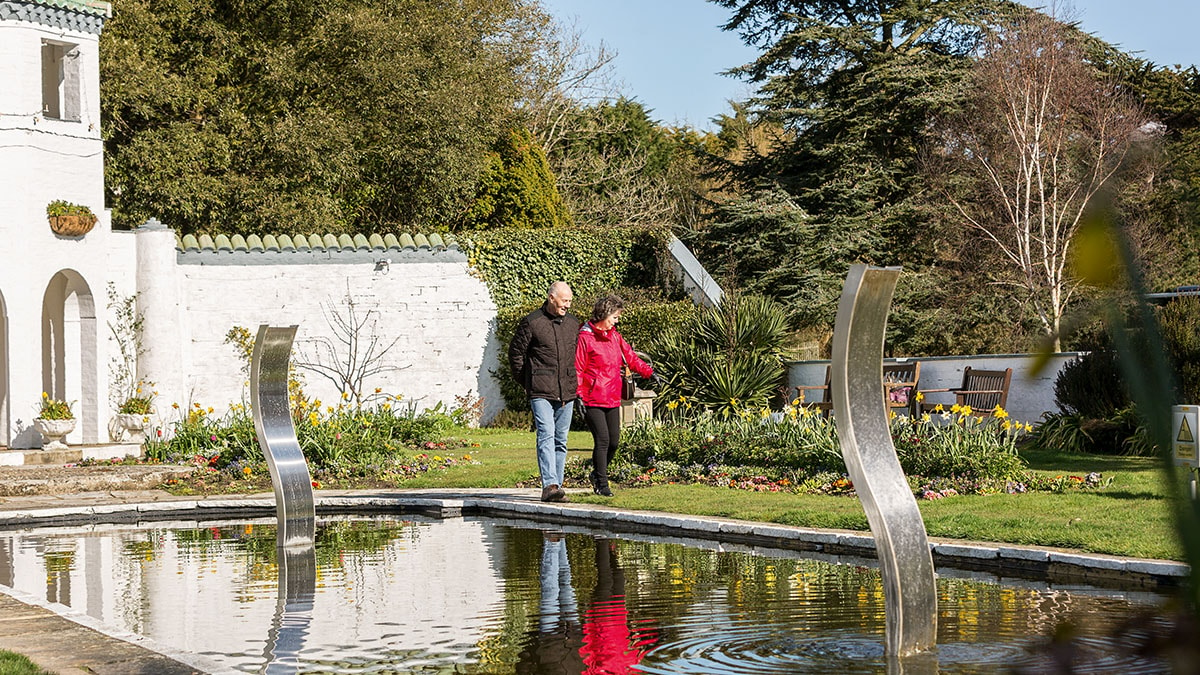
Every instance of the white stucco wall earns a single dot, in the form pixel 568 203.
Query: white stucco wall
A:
pixel 1029 395
pixel 440 316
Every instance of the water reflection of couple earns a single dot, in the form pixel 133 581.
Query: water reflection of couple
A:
pixel 606 646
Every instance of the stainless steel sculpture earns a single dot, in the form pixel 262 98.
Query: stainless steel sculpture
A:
pixel 856 386
pixel 294 503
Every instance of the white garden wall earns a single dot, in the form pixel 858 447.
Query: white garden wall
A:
pixel 440 318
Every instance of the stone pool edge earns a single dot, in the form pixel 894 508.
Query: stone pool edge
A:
pixel 1001 559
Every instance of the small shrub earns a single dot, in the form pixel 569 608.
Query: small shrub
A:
pixel 1091 386
pixel 728 359
pixel 521 420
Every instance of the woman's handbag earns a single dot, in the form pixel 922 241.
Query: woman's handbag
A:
pixel 626 379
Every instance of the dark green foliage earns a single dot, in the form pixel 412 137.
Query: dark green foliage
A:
pixel 1179 321
pixel 1091 386
pixel 1097 415
pixel 728 359
pixel 347 115
pixel 517 189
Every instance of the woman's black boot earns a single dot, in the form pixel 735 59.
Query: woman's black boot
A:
pixel 600 487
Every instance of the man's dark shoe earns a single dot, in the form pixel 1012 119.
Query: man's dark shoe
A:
pixel 553 493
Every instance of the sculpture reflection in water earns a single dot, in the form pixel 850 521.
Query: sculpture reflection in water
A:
pixel 603 642
pixel 295 505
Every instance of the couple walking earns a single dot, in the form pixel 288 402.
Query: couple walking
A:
pixel 559 361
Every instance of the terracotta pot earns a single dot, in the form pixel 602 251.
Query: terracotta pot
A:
pixel 53 431
pixel 72 226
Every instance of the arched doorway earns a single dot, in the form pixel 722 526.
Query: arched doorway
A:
pixel 69 343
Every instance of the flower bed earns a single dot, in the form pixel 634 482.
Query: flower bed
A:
pixel 949 452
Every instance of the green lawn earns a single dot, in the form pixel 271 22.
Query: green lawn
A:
pixel 15 664
pixel 1129 517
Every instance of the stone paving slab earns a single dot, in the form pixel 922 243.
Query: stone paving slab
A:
pixel 40 635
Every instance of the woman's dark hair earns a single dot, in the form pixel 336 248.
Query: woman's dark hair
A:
pixel 606 307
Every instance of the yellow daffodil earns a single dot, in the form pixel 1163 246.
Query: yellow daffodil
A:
pixel 966 411
pixel 920 396
pixel 939 408
pixel 999 413
pixel 956 408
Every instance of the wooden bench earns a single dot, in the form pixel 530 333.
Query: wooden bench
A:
pixel 982 390
pixel 900 381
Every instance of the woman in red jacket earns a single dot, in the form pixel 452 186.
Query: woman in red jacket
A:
pixel 600 354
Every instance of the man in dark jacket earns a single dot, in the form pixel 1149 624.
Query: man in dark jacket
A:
pixel 542 357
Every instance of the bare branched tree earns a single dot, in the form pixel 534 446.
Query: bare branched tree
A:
pixel 569 75
pixel 353 355
pixel 1043 135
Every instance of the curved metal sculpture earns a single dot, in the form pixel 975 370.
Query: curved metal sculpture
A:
pixel 294 503
pixel 856 384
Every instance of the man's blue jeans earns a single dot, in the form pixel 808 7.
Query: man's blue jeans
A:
pixel 553 421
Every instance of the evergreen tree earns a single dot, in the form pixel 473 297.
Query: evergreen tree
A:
pixel 518 189
pixel 854 86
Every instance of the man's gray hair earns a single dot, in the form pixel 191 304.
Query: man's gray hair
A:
pixel 556 288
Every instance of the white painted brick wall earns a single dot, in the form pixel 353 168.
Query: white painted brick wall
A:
pixel 440 316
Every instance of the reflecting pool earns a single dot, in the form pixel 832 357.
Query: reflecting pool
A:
pixel 472 595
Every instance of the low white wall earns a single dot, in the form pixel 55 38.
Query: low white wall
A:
pixel 441 318
pixel 1029 395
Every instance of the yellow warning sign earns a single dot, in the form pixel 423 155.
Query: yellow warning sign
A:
pixel 1186 421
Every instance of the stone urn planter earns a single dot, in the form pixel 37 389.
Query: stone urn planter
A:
pixel 53 431
pixel 129 428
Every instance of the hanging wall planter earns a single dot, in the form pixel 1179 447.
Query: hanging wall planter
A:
pixel 70 220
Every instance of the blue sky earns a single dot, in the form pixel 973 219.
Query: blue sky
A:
pixel 671 51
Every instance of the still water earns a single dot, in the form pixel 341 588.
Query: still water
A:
pixel 482 596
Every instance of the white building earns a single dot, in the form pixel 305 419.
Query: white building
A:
pixel 51 287
pixel 54 319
